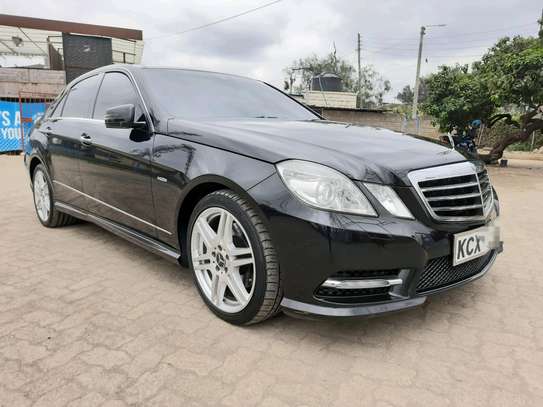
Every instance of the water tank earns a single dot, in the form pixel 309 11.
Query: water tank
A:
pixel 327 82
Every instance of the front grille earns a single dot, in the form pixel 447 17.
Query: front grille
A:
pixel 440 272
pixel 454 192
pixel 360 295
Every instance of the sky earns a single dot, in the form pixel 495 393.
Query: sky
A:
pixel 263 43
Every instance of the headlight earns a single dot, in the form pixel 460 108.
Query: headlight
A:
pixel 389 199
pixel 323 187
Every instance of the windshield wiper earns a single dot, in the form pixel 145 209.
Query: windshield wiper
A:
pixel 265 117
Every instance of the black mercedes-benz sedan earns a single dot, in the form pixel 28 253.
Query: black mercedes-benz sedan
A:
pixel 270 206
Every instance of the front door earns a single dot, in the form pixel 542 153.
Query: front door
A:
pixel 116 170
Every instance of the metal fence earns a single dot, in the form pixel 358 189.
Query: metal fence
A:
pixel 17 116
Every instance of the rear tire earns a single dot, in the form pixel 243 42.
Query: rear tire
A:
pixel 233 260
pixel 44 202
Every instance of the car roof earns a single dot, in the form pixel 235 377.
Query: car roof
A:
pixel 137 67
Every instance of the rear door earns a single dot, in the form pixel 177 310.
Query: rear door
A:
pixel 117 169
pixel 64 129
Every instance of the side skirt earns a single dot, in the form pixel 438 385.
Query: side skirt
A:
pixel 129 234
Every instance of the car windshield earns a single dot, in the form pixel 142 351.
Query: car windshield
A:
pixel 194 95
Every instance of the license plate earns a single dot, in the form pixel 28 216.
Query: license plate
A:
pixel 475 243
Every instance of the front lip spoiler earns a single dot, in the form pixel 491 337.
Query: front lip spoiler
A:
pixel 359 311
pixel 303 308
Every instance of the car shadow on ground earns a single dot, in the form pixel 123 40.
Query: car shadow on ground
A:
pixel 379 328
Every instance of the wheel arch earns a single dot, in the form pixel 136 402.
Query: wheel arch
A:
pixel 194 192
pixel 34 162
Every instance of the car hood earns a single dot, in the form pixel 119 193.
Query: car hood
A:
pixel 361 152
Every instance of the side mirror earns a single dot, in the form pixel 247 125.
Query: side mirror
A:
pixel 121 117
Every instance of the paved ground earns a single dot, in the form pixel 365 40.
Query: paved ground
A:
pixel 87 319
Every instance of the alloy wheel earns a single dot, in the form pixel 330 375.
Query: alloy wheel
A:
pixel 223 260
pixel 42 196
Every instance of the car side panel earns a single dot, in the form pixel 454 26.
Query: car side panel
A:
pixel 60 140
pixel 116 173
pixel 180 165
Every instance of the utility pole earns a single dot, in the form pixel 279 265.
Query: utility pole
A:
pixel 417 78
pixel 359 72
pixel 291 83
pixel 541 27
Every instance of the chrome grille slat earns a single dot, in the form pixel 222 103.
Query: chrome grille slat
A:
pixel 453 186
pixel 449 197
pixel 455 192
pixel 457 208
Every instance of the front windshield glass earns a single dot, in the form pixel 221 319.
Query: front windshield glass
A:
pixel 194 95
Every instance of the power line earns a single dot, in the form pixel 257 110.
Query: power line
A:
pixel 222 20
pixel 453 56
pixel 503 29
pixel 473 43
pixel 483 41
pixel 398 48
pixel 403 56
pixel 488 32
pixel 427 46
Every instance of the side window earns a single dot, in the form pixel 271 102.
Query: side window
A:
pixel 56 108
pixel 116 90
pixel 80 100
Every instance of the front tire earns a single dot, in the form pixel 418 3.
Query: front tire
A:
pixel 44 203
pixel 233 260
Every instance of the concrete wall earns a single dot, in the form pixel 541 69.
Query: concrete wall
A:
pixel 332 99
pixel 387 120
pixel 40 81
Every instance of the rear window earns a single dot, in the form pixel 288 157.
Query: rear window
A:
pixel 80 100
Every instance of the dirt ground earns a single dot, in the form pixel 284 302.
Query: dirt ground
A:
pixel 87 319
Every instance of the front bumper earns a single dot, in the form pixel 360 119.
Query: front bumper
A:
pixel 364 310
pixel 315 245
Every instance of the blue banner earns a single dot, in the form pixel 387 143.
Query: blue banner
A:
pixel 10 123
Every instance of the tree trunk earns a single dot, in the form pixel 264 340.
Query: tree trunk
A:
pixel 528 126
pixel 497 151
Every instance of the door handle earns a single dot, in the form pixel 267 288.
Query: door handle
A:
pixel 86 139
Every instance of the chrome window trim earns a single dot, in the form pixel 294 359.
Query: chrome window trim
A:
pixel 132 78
pixel 111 207
pixel 449 171
pixel 119 69
pixel 78 118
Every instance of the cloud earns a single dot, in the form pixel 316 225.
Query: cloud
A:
pixel 263 43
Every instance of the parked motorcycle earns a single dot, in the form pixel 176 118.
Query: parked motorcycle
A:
pixel 464 140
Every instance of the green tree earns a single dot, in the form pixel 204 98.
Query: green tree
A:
pixel 373 89
pixel 513 71
pixel 508 77
pixel 455 97
pixel 314 65
pixel 406 95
